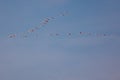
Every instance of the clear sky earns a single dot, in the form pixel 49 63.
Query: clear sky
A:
pixel 44 57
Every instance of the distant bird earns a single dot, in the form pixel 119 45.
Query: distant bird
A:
pixel 69 34
pixel 80 32
pixel 12 35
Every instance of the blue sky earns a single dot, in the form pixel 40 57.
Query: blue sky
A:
pixel 44 57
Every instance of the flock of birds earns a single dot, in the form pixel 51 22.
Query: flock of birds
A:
pixel 45 22
pixel 42 24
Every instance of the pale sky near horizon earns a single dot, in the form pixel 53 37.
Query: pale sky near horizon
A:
pixel 44 57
